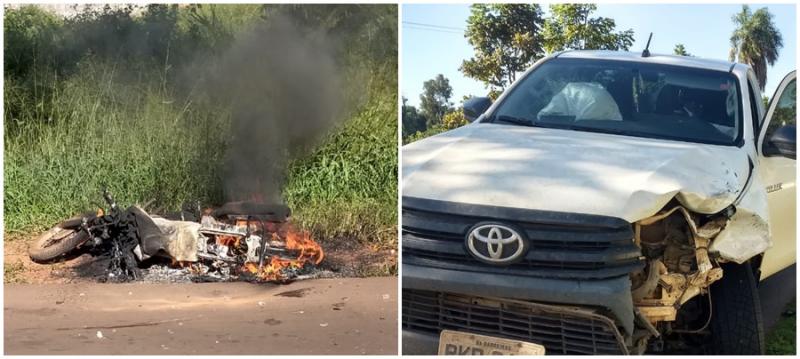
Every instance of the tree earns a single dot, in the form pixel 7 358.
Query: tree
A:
pixel 506 39
pixel 32 37
pixel 680 50
pixel 435 99
pixel 755 41
pixel 571 26
pixel 413 121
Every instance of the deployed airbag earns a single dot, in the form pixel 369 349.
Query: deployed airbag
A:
pixel 584 101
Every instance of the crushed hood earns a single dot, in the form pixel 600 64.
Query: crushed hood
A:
pixel 572 171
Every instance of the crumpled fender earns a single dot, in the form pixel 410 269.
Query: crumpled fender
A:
pixel 747 233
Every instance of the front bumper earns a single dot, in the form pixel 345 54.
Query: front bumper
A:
pixel 611 296
pixel 419 343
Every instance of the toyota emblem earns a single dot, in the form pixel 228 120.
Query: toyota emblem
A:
pixel 495 243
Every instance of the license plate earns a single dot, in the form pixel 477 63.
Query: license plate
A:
pixel 460 343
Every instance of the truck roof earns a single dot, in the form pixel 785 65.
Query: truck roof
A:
pixel 688 61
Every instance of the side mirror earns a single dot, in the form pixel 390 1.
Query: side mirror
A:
pixel 475 107
pixel 782 142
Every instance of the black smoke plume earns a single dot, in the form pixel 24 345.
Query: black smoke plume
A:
pixel 284 89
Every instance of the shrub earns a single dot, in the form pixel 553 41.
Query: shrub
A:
pixel 454 119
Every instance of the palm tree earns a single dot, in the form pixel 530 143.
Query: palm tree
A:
pixel 755 41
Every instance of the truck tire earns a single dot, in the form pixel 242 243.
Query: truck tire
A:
pixel 737 326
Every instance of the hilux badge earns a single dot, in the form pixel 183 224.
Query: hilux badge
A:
pixel 495 243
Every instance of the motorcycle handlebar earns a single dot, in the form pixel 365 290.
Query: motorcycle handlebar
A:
pixel 109 199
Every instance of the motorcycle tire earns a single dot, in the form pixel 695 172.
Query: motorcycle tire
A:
pixel 58 241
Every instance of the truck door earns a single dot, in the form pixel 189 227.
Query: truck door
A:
pixel 776 149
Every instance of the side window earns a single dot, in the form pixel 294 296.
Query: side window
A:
pixel 785 110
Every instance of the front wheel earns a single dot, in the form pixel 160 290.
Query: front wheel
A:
pixel 58 241
pixel 737 326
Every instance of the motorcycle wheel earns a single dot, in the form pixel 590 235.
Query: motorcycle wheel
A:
pixel 58 241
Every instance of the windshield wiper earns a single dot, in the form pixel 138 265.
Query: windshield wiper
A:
pixel 512 120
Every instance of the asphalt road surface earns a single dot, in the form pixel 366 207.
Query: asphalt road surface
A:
pixel 326 316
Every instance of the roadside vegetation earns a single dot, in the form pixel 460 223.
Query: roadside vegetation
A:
pixel 105 98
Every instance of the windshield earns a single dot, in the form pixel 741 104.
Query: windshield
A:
pixel 629 98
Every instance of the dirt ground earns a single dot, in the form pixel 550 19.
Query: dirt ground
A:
pixel 322 316
pixel 344 258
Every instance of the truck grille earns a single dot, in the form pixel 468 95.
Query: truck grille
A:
pixel 562 246
pixel 560 330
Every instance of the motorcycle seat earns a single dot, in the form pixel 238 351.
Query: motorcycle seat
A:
pixel 262 211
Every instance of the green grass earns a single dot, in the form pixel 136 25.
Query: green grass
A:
pixel 782 340
pixel 348 187
pixel 98 128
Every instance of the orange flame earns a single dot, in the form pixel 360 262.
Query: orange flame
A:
pixel 229 241
pixel 300 242
pixel 274 269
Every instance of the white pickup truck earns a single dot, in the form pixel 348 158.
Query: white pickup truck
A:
pixel 605 203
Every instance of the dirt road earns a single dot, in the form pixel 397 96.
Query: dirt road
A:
pixel 326 316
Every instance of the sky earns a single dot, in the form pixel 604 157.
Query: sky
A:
pixel 704 30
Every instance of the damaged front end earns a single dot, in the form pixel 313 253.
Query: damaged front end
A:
pixel 650 276
pixel 680 248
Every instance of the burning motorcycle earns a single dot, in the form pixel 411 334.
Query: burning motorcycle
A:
pixel 240 239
